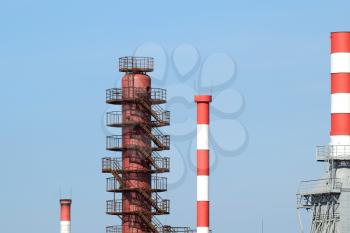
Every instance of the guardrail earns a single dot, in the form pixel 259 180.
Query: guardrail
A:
pixel 115 207
pixel 114 229
pixel 333 152
pixel 115 118
pixel 162 229
pixel 142 64
pixel 169 229
pixel 115 142
pixel 110 164
pixel 117 95
pixel 319 186
pixel 158 184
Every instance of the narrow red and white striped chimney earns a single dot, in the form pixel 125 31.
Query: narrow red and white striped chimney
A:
pixel 340 121
pixel 340 88
pixel 65 215
pixel 202 162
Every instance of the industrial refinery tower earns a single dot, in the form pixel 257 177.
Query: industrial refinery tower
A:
pixel 136 183
pixel 328 199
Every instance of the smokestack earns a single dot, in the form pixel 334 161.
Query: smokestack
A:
pixel 340 121
pixel 65 215
pixel 202 162
pixel 340 88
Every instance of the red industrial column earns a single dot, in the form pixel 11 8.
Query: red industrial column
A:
pixel 65 215
pixel 135 137
pixel 139 144
pixel 203 162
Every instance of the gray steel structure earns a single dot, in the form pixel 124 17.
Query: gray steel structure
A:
pixel 328 199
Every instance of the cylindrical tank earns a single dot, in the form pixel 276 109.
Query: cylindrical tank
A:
pixel 135 139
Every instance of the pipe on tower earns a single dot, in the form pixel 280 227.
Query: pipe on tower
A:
pixel 65 215
pixel 203 162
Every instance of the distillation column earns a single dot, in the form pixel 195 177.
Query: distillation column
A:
pixel 203 162
pixel 136 183
pixel 138 177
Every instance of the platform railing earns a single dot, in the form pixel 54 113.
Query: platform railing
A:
pixel 111 164
pixel 158 184
pixel 163 117
pixel 115 118
pixel 114 229
pixel 165 141
pixel 143 64
pixel 170 229
pixel 161 203
pixel 320 186
pixel 333 152
pixel 161 229
pixel 158 94
pixel 161 162
pixel 115 142
pixel 114 206
pixel 115 95
pixel 108 164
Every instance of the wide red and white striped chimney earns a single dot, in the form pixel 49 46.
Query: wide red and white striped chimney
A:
pixel 203 162
pixel 340 88
pixel 65 215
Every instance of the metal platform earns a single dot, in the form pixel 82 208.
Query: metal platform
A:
pixel 158 184
pixel 132 94
pixel 115 119
pixel 115 207
pixel 333 152
pixel 163 229
pixel 136 64
pixel 114 165
pixel 115 143
pixel 320 186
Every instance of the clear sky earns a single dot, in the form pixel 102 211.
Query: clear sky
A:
pixel 58 57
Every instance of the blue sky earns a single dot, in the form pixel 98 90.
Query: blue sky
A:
pixel 58 57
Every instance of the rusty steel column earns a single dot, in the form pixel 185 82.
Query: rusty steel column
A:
pixel 139 142
pixel 138 175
